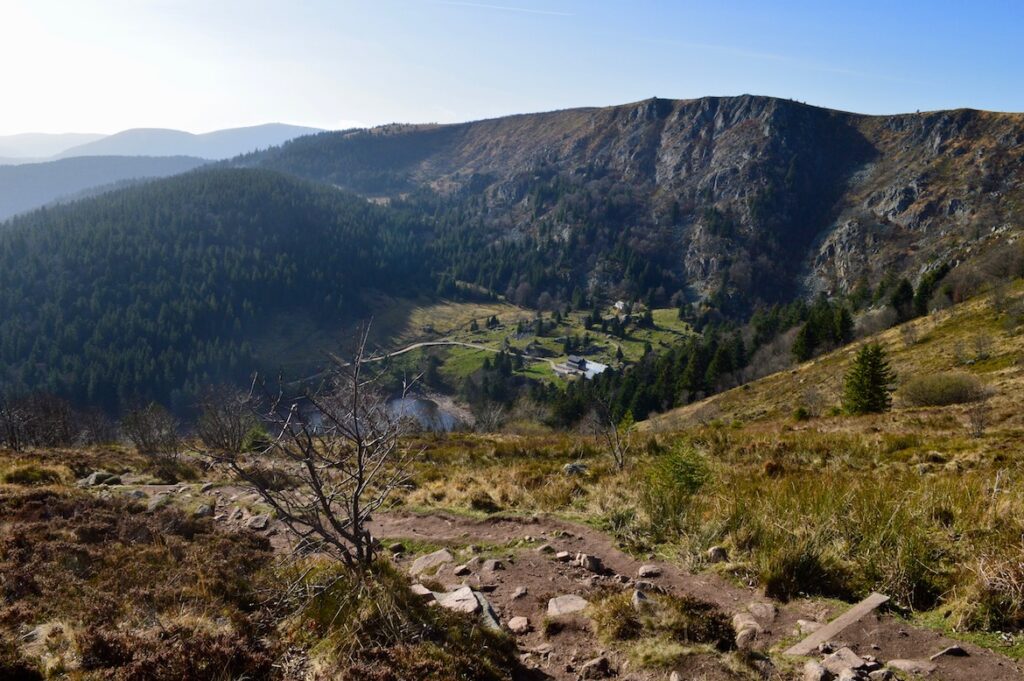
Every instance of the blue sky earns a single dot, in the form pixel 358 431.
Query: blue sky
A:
pixel 102 66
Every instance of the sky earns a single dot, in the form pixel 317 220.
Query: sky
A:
pixel 198 65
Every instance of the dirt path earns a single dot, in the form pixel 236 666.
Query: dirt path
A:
pixel 882 636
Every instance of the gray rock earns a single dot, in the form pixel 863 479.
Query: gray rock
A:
pixel 563 556
pixel 207 487
pixel 566 605
pixel 648 571
pixel 718 554
pixel 95 478
pixel 590 563
pixel 258 522
pixel 881 675
pixel 520 592
pixel 136 494
pixel 640 601
pixel 848 675
pixel 461 570
pixel 156 503
pixel 844 658
pixel 813 671
pixel 460 600
pixel 764 612
pixel 643 585
pixel 203 511
pixel 431 562
pixel 918 667
pixel 745 638
pixel 574 469
pixel 397 547
pixel 598 668
pixel 493 565
pixel 519 625
pixel 421 591
pixel 236 514
pixel 487 614
pixel 546 548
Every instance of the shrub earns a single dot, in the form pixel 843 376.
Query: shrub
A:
pixel 801 414
pixel 680 619
pixel 942 389
pixel 672 481
pixel 32 474
pixel 152 429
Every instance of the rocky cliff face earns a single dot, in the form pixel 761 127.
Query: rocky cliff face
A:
pixel 747 197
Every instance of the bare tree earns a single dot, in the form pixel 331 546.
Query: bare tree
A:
pixel 14 419
pixel 342 445
pixel 152 429
pixel 617 435
pixel 225 419
pixel 978 415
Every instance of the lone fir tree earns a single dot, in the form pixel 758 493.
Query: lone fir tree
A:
pixel 869 382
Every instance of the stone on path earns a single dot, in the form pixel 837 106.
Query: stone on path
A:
pixel 951 651
pixel 460 600
pixel 493 565
pixel 431 562
pixel 647 571
pixel 844 658
pixel 566 605
pixel 546 548
pixel 519 625
pixel 764 612
pixel 258 522
pixel 639 601
pixel 520 592
pixel 563 556
pixel 421 591
pixel 813 671
pixel 590 563
pixel 461 570
pixel 598 668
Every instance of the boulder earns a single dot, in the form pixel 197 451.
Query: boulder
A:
pixel 397 547
pixel 589 563
pixel 519 625
pixel 431 562
pixel 546 548
pixel 258 522
pixel 421 591
pixel 718 554
pixel 598 668
pixel 487 614
pixel 648 571
pixel 844 658
pixel 574 469
pixel 203 511
pixel 747 629
pixel 156 503
pixel 813 671
pixel 566 605
pixel 96 478
pixel 640 602
pixel 461 570
pixel 461 600
pixel 881 675
pixel 493 565
pixel 764 612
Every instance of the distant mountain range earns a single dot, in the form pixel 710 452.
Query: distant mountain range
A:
pixel 216 145
pixel 38 169
pixel 31 185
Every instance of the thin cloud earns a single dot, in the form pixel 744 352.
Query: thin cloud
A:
pixel 504 8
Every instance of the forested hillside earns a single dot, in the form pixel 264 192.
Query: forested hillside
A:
pixel 155 291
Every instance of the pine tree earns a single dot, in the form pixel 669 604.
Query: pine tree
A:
pixel 869 382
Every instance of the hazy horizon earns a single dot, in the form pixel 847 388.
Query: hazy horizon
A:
pixel 104 67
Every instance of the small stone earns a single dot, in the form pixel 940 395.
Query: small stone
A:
pixel 519 625
pixel 589 563
pixel 493 565
pixel 203 511
pixel 258 522
pixel 643 585
pixel 461 570
pixel 206 488
pixel 563 556
pixel 951 651
pixel 236 514
pixel 598 668
pixel 136 494
pixel 546 548
pixel 881 675
pixel 566 605
pixel 520 592
pixel 674 676
pixel 397 547
pixel 156 503
pixel 815 672
pixel 718 554
pixel 745 638
pixel 848 675
pixel 647 571
pixel 574 469
pixel 918 667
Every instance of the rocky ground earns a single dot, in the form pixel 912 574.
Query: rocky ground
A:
pixel 536 577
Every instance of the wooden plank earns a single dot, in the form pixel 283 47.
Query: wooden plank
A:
pixel 835 627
